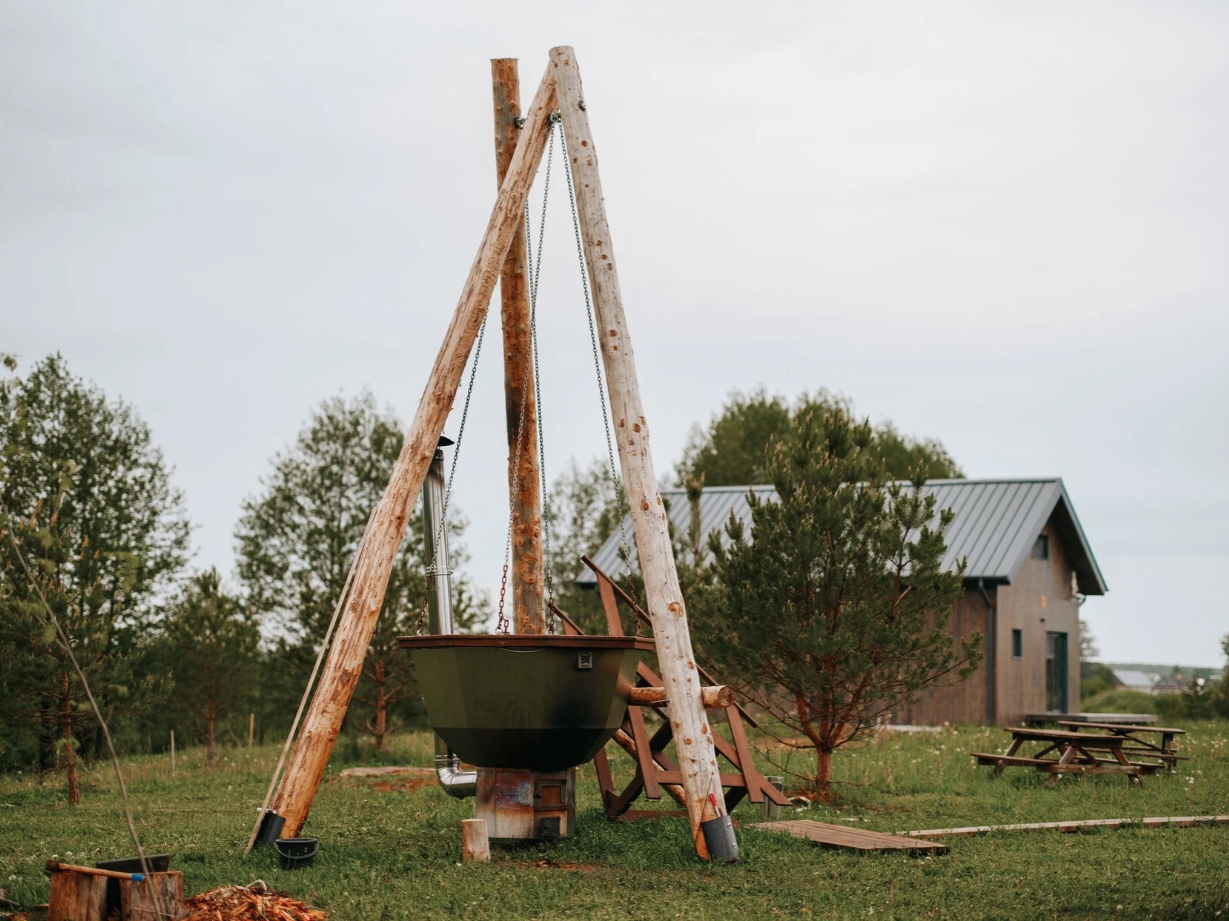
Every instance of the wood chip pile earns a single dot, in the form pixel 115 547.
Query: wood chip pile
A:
pixel 249 903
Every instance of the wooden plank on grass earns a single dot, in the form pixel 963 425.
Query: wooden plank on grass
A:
pixel 857 839
pixel 1156 822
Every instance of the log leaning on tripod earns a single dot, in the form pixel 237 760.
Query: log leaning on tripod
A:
pixel 344 664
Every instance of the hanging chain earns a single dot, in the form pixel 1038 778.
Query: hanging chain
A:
pixel 601 392
pixel 452 472
pixel 534 272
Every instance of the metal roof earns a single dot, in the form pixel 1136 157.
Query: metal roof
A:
pixel 995 526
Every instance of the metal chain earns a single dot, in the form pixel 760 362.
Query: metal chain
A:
pixel 534 272
pixel 601 392
pixel 452 472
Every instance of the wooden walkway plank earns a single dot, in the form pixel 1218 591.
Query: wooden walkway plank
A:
pixel 857 839
pixel 1155 822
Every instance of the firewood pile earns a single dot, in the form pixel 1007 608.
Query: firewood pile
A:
pixel 249 903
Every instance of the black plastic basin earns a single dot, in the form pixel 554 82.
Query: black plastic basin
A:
pixel 539 703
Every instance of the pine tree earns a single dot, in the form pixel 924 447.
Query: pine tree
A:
pixel 833 616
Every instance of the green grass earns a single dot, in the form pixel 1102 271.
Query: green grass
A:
pixel 393 853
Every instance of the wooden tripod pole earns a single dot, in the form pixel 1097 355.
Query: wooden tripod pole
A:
pixel 692 735
pixel 344 664
pixel 524 478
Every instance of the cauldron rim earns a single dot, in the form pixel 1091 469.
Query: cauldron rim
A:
pixel 524 641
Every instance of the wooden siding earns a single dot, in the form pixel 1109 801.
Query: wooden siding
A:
pixel 954 701
pixel 1038 600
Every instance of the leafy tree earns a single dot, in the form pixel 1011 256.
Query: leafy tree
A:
pixel 297 539
pixel 834 616
pixel 732 451
pixel 582 509
pixel 88 498
pixel 210 645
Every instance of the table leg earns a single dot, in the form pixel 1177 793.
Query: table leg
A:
pixel 1125 762
pixel 1014 747
pixel 1067 757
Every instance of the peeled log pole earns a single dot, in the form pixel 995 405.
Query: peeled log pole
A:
pixel 344 664
pixel 524 481
pixel 692 736
pixel 718 697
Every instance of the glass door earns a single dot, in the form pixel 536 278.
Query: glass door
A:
pixel 1056 672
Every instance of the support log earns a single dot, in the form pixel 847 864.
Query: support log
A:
pixel 344 663
pixel 524 478
pixel 692 734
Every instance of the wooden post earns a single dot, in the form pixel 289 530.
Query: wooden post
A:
pixel 344 663
pixel 475 845
pixel 172 752
pixel 524 478
pixel 251 728
pixel 692 735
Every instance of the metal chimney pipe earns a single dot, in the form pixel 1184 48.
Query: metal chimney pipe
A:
pixel 455 781
pixel 439 573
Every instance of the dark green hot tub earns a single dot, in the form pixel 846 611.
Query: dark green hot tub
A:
pixel 540 703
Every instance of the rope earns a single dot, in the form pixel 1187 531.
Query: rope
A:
pixel 106 732
pixel 601 390
pixel 294 725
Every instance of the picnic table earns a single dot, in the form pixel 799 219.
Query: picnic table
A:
pixel 1166 752
pixel 1066 752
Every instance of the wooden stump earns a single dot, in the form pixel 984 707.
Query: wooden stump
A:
pixel 137 900
pixel 475 846
pixel 77 897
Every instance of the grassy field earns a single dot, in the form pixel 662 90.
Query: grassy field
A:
pixel 390 850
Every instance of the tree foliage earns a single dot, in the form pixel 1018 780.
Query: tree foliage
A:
pixel 733 449
pixel 834 616
pixel 209 644
pixel 582 509
pixel 296 541
pixel 90 504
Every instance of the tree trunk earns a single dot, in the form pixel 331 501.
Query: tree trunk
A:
pixel 823 774
pixel 66 716
pixel 381 707
pixel 210 722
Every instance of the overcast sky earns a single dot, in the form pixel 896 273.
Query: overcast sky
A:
pixel 999 225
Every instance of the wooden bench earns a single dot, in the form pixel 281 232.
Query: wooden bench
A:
pixel 1069 753
pixel 1166 753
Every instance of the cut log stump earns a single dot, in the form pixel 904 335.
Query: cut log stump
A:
pixel 139 901
pixel 77 897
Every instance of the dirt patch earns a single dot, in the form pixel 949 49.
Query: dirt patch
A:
pixel 403 784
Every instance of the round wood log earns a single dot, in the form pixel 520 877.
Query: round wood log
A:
pixel 77 897
pixel 139 901
pixel 475 845
pixel 718 697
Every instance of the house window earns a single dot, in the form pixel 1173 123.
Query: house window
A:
pixel 1017 644
pixel 1041 547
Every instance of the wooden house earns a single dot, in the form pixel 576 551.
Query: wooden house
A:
pixel 1029 567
